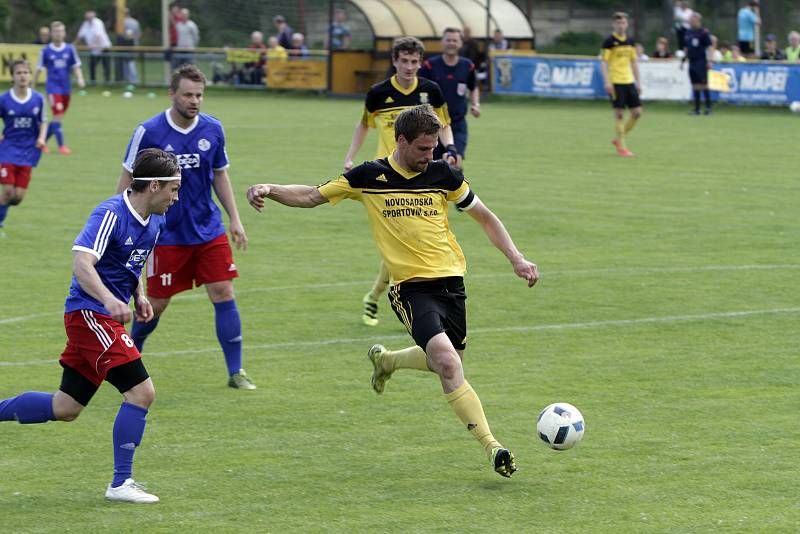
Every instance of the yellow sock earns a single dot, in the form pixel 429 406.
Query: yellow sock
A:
pixel 620 129
pixel 410 358
pixel 467 405
pixel 381 283
pixel 631 123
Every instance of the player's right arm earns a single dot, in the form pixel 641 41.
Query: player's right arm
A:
pixel 85 273
pixel 125 177
pixel 124 181
pixel 605 56
pixel 295 196
pixel 79 76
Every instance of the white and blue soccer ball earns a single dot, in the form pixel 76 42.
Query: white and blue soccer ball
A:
pixel 795 106
pixel 560 426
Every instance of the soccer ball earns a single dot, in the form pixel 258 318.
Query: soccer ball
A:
pixel 795 106
pixel 127 94
pixel 560 426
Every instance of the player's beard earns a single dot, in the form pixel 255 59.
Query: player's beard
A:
pixel 187 114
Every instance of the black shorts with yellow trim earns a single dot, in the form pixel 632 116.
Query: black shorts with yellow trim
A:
pixel 430 307
pixel 625 96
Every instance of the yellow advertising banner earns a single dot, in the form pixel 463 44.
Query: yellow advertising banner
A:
pixel 297 73
pixel 240 55
pixel 10 52
pixel 718 81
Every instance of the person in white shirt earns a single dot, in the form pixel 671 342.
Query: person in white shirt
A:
pixel 94 35
pixel 188 38
pixel 681 15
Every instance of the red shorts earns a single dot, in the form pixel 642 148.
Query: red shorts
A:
pixel 175 268
pixel 96 343
pixel 58 103
pixel 16 175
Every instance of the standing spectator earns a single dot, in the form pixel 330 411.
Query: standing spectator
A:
pixel 126 63
pixel 44 36
pixel 275 50
pixel 771 50
pixel 188 38
pixel 254 72
pixel 681 15
pixel 340 31
pixel 697 42
pixel 793 50
pixel 174 18
pixel 662 49
pixel 748 18
pixel 298 48
pixel 471 50
pixel 60 60
pixel 132 25
pixel 621 80
pixel 285 31
pixel 93 33
pixel 456 78
pixel 726 52
pixel 498 41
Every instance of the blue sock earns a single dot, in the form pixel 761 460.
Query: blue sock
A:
pixel 229 334
pixel 128 431
pixel 3 212
pixel 49 131
pixel 140 331
pixel 58 133
pixel 29 407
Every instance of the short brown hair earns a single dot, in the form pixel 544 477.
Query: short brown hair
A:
pixel 619 15
pixel 410 45
pixel 416 121
pixel 150 163
pixel 56 24
pixel 451 29
pixel 17 62
pixel 189 72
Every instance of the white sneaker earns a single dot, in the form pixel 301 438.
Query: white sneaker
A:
pixel 130 491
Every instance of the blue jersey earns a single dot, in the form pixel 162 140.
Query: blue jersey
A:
pixel 696 41
pixel 121 241
pixel 59 63
pixel 454 81
pixel 22 120
pixel 200 148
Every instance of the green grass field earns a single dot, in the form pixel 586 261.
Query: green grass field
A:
pixel 667 312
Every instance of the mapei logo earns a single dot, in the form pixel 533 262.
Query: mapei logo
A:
pixel 137 258
pixel 563 76
pixel 771 80
pixel 188 161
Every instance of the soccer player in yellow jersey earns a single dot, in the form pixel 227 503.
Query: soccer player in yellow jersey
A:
pixel 406 196
pixel 382 105
pixel 621 80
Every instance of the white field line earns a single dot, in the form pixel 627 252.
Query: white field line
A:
pixel 509 274
pixel 486 330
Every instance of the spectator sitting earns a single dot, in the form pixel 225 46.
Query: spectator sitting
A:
pixel 725 50
pixel 640 54
pixel 340 31
pixel 662 49
pixel 44 36
pixel 771 50
pixel 498 41
pixel 736 55
pixel 285 31
pixel 714 55
pixel 793 50
pixel 298 48
pixel 254 71
pixel 275 50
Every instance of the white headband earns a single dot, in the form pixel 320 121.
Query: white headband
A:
pixel 154 178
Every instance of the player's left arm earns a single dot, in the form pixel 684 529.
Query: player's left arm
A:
pixel 636 79
pixel 41 139
pixel 224 191
pixel 144 310
pixel 500 238
pixel 79 75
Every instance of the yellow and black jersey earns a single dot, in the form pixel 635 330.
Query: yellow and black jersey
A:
pixel 407 212
pixel 619 52
pixel 385 101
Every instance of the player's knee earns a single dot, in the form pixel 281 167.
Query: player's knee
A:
pixel 636 113
pixel 449 364
pixel 16 200
pixel 66 411
pixel 220 292
pixel 143 395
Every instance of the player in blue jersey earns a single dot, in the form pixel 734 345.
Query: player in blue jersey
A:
pixel 696 41
pixel 456 77
pixel 59 59
pixel 109 255
pixel 194 249
pixel 25 122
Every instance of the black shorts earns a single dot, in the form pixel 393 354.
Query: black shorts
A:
pixel 746 47
pixel 122 377
pixel 698 72
pixel 431 307
pixel 625 96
